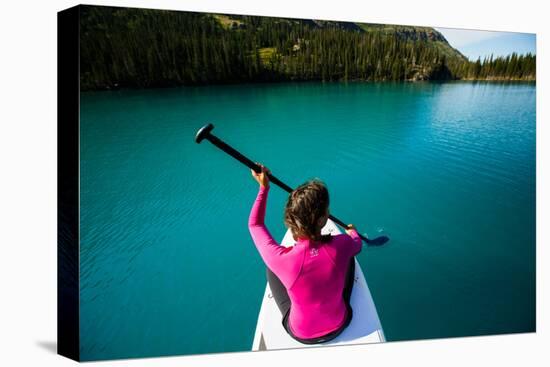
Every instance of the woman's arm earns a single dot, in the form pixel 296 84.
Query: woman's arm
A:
pixel 356 241
pixel 257 214
pixel 269 249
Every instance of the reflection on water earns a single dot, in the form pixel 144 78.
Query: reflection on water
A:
pixel 447 170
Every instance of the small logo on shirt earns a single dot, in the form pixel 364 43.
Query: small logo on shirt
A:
pixel 313 252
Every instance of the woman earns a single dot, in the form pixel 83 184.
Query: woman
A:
pixel 311 282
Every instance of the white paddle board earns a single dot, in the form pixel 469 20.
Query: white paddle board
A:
pixel 364 328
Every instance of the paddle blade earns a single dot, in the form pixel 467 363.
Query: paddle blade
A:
pixel 378 241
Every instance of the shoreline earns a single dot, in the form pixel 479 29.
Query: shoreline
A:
pixel 302 81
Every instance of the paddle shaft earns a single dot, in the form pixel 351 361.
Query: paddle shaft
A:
pixel 250 164
pixel 244 160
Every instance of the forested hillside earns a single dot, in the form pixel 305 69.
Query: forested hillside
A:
pixel 125 47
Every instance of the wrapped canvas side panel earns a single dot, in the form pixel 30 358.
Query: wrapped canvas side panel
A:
pixel 68 183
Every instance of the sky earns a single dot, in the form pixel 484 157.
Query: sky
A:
pixel 474 44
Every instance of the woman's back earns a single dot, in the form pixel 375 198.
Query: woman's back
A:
pixel 316 295
pixel 312 272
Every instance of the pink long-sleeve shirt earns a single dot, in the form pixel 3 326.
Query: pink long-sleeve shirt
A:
pixel 312 272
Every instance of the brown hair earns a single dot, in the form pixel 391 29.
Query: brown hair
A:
pixel 305 205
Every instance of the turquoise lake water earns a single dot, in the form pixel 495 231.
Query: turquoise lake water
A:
pixel 446 170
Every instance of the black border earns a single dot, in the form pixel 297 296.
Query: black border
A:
pixel 68 233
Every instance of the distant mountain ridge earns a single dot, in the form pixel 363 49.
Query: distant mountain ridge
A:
pixel 431 37
pixel 415 33
pixel 411 33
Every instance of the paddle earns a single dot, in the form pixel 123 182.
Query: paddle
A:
pixel 205 132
